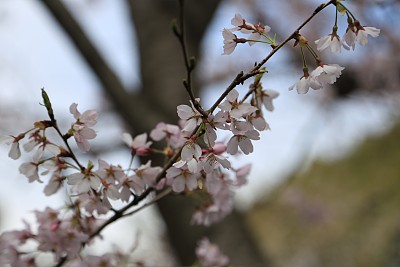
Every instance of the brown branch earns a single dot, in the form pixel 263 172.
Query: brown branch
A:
pixel 241 78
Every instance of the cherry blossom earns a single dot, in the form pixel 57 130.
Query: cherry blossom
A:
pixel 230 41
pixel 61 237
pixel 350 36
pixel 15 151
pixel 332 41
pixel 258 121
pixel 210 255
pixel 236 108
pixel 241 175
pixel 191 116
pixel 94 202
pixel 129 184
pixel 255 31
pixel 55 166
pixel 147 174
pixel 213 161
pixel 243 141
pixel 357 33
pixel 110 173
pixel 190 155
pixel 327 73
pixel 30 169
pixel 362 33
pixel 266 97
pixel 139 145
pixel 85 180
pixel 305 83
pixel 241 24
pixel 172 133
pixel 81 128
pixel 182 179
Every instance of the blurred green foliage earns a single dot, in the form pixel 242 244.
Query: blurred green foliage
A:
pixel 342 213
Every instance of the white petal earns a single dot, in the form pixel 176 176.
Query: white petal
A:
pixel 245 145
pixel 232 145
pixel 178 184
pixel 191 182
pixel 140 140
pixel 15 152
pixel 127 139
pixel 184 112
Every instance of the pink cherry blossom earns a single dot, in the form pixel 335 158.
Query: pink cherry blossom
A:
pixel 183 179
pixel 110 173
pixel 56 167
pixel 139 145
pixel 148 174
pixel 172 133
pixel 129 185
pixel 81 128
pixel 210 255
pixel 94 202
pixel 241 24
pixel 190 115
pixel 85 180
pixel 242 174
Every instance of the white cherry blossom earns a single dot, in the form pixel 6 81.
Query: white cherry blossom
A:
pixel 84 181
pixel 266 97
pixel 305 83
pixel 241 24
pixel 363 32
pixel 327 73
pixel 332 41
pixel 350 36
pixel 15 151
pixel 30 169
pixel 191 116
pixel 242 141
pixel 236 109
pixel 81 128
pixel 230 42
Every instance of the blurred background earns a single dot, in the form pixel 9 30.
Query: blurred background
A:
pixel 323 187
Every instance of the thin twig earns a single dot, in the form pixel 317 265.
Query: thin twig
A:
pixel 189 62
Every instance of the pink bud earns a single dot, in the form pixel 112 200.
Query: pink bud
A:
pixel 219 148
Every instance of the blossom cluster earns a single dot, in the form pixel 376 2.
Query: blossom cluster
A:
pixel 198 159
pixel 323 74
pixel 202 166
pixel 255 33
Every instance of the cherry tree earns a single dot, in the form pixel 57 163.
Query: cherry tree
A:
pixel 196 160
